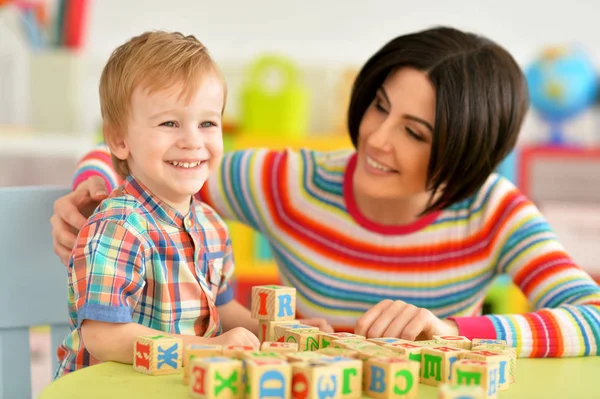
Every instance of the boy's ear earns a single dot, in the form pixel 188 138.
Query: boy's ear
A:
pixel 115 139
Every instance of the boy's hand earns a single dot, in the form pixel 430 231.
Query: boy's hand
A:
pixel 72 211
pixel 238 336
pixel 321 324
pixel 399 319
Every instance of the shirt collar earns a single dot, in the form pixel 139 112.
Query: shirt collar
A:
pixel 155 205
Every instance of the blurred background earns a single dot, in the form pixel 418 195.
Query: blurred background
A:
pixel 289 67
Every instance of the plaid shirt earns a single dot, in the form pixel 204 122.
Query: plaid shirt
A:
pixel 138 260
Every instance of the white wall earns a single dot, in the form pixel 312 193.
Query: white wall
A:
pixel 325 36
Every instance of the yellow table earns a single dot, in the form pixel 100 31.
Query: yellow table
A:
pixel 577 378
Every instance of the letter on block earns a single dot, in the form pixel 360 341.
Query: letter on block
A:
pixel 327 339
pixel 352 375
pixel 157 355
pixel 461 392
pixel 216 378
pixel 316 380
pixel 475 372
pixel 273 302
pixel 437 363
pixel 391 378
pixel 494 356
pixel 281 330
pixel 307 340
pixel 196 351
pixel 268 378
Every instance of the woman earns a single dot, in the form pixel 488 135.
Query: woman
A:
pixel 403 236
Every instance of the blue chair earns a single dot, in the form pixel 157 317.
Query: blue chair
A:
pixel 33 283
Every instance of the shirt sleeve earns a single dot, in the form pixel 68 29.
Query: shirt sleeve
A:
pixel 225 293
pixel 566 300
pixel 97 163
pixel 244 187
pixel 106 273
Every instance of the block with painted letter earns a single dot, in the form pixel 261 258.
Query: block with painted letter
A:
pixel 273 302
pixel 316 380
pixel 237 351
pixel 268 378
pixel 279 347
pixel 410 351
pixel 216 378
pixel 327 339
pixel 351 374
pixel 281 330
pixel 307 340
pixel 157 354
pixel 447 391
pixel 391 378
pixel 475 372
pixel 437 363
pixel 426 343
pixel 195 351
pixel 481 343
pixel 494 356
pixel 367 352
pixel 453 340
pixel 266 328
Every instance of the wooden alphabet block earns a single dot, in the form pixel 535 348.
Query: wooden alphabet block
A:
pixel 453 340
pixel 391 378
pixel 409 350
pixel 512 368
pixel 303 356
pixel 196 351
pixel 426 343
pixel 351 372
pixel 279 347
pixel 281 330
pixel 157 355
pixel 460 392
pixel 273 302
pixel 326 339
pixel 307 340
pixel 268 378
pixel 266 330
pixel 386 341
pixel 348 343
pixel 237 351
pixel 437 363
pixel 475 372
pixel 331 351
pixel 480 343
pixel 216 378
pixel 494 356
pixel 316 380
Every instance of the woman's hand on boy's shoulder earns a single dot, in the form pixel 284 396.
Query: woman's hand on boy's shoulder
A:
pixel 71 212
pixel 402 320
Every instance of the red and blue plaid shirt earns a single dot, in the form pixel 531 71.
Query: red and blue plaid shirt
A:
pixel 138 260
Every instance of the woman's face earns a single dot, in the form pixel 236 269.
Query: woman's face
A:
pixel 395 136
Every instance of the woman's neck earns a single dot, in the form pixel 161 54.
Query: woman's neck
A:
pixel 391 212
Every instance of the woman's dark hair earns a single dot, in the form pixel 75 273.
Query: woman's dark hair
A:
pixel 481 100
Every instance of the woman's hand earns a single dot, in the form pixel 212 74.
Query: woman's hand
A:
pixel 402 320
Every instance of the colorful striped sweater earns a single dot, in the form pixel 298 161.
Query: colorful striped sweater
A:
pixel 342 264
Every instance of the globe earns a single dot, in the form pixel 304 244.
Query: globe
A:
pixel 562 83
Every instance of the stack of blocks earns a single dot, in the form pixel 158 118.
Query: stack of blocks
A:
pixel 300 362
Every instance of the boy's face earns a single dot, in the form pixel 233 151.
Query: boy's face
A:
pixel 172 145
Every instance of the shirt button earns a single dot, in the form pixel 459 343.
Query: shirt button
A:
pixel 188 222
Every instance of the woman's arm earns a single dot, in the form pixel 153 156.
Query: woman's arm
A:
pixel 566 320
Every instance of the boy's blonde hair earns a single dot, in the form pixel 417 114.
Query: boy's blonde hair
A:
pixel 156 60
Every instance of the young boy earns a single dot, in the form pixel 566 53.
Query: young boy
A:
pixel 152 258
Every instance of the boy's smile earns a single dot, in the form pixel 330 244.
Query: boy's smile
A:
pixel 174 139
